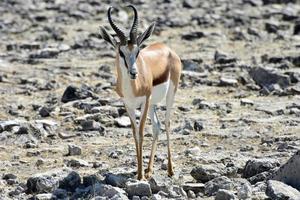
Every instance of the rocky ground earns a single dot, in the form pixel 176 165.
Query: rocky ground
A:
pixel 64 133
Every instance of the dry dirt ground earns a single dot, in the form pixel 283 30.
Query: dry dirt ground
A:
pixel 47 46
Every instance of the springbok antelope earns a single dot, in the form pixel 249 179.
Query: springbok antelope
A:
pixel 144 78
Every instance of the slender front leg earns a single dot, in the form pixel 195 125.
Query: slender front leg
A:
pixel 144 110
pixel 131 113
pixel 155 129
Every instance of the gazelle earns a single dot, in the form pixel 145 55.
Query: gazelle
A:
pixel 144 78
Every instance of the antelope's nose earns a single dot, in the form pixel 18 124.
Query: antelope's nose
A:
pixel 133 73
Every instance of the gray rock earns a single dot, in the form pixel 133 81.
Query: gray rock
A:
pixel 7 125
pixel 12 181
pixel 205 173
pixel 222 58
pixel 9 176
pixel 256 166
pixel 33 153
pixel 259 177
pixel 91 125
pixel 272 27
pixel 225 195
pixel 198 125
pixel 184 108
pixel 17 191
pixel 86 104
pixel 107 110
pixel 195 35
pixel 74 93
pixel 156 197
pixel 45 111
pixel 135 198
pixel 20 130
pixel 46 53
pixel 138 188
pixel 61 193
pixel 88 117
pixel 224 81
pixel 51 180
pixel 43 128
pixel 45 196
pixel 191 65
pixel 275 109
pixel 40 184
pixel 66 135
pixel 195 187
pixel 190 4
pixel 187 125
pixel 123 122
pixel 177 191
pixel 191 194
pixel 40 162
pixel 265 77
pixel 158 184
pixel 107 191
pixel 259 187
pixel 193 152
pixel 76 162
pixel 74 150
pixel 213 186
pixel 244 191
pixel 99 198
pixel 289 173
pixel 117 180
pixel 91 180
pixel 277 190
pixel 254 32
pixel 297 28
pixel 70 182
pixel 206 105
pixel 245 102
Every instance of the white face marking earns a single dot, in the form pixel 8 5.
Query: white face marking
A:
pixel 129 58
pixel 126 85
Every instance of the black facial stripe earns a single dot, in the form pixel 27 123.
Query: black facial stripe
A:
pixel 125 63
pixel 123 57
pixel 121 54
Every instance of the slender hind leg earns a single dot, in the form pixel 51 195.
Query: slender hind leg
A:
pixel 155 129
pixel 169 102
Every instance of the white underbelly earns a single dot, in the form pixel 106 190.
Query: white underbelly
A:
pixel 134 102
pixel 159 92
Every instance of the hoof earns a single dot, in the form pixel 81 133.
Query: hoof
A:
pixel 170 172
pixel 148 173
pixel 141 178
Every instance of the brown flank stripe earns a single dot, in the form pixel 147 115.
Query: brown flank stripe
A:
pixel 162 78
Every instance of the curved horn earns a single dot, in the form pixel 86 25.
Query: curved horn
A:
pixel 134 27
pixel 118 31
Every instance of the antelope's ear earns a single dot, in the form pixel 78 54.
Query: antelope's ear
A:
pixel 146 34
pixel 107 37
